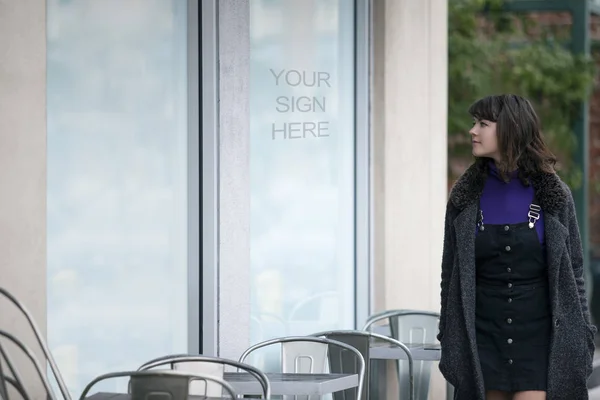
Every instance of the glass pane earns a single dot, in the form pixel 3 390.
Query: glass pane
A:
pixel 117 185
pixel 302 166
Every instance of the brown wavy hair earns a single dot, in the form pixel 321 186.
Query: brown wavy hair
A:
pixel 520 139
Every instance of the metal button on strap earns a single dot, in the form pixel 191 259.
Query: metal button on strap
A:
pixel 506 228
pixel 508 269
pixel 509 320
pixel 509 341
pixel 510 361
pixel 507 248
pixel 510 285
pixel 510 299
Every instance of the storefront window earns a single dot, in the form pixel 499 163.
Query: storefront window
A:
pixel 302 166
pixel 117 185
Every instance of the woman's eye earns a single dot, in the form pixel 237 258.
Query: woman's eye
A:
pixel 482 124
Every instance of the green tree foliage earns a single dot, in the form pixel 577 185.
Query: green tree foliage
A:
pixel 492 51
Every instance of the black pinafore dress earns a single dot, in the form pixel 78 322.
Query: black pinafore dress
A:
pixel 512 316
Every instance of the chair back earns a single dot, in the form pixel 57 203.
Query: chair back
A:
pixel 205 365
pixel 413 327
pixel 310 354
pixel 15 381
pixel 3 387
pixel 362 341
pixel 162 384
pixel 340 362
pixel 41 341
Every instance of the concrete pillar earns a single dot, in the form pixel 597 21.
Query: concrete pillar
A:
pixel 409 127
pixel 234 177
pixel 23 171
pixel 410 146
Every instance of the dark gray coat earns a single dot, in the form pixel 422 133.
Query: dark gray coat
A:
pixel 572 340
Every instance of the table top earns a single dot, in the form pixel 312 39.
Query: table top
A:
pixel 281 384
pixel 124 396
pixel 292 384
pixel 420 352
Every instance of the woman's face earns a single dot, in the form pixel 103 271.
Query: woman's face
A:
pixel 484 139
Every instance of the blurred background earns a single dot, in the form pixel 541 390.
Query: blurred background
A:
pixel 548 52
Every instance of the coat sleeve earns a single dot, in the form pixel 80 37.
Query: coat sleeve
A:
pixel 447 265
pixel 576 249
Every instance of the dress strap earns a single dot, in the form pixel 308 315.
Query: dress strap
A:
pixel 534 212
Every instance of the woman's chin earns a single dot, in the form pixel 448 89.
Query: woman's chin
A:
pixel 478 153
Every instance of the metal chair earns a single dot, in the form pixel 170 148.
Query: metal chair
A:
pixel 3 378
pixel 14 384
pixel 309 354
pixel 15 381
pixel 10 381
pixel 361 340
pixel 40 339
pixel 163 384
pixel 411 326
pixel 210 366
pixel 594 379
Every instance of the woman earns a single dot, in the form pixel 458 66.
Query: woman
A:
pixel 514 317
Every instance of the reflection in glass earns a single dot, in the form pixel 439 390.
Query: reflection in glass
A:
pixel 302 166
pixel 117 200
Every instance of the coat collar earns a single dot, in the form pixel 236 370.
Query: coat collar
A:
pixel 549 189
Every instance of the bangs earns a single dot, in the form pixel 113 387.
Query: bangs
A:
pixel 487 108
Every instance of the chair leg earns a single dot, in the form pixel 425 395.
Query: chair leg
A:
pixel 449 391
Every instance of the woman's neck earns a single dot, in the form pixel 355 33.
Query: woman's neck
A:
pixel 495 171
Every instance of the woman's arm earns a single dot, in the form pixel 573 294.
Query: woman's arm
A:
pixel 447 265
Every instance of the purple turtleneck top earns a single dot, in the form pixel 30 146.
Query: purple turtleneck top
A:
pixel 507 203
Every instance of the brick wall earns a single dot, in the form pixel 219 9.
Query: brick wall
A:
pixel 561 22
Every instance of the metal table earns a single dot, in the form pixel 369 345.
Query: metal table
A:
pixel 419 352
pixel 123 396
pixel 281 384
pixel 292 384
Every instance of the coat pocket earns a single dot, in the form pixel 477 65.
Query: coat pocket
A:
pixel 446 368
pixel 591 347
